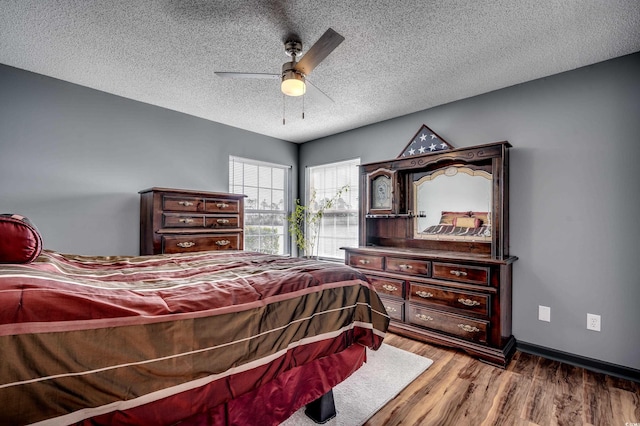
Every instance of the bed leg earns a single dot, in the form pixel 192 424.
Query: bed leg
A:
pixel 322 409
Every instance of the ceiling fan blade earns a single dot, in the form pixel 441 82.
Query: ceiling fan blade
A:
pixel 316 88
pixel 247 75
pixel 319 51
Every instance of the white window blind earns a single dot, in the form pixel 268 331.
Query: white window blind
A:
pixel 267 204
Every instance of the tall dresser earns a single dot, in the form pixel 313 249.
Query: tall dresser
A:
pixel 178 221
pixel 434 242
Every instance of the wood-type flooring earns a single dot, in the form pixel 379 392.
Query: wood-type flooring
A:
pixel 460 390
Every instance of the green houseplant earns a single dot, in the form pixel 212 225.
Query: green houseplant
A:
pixel 305 221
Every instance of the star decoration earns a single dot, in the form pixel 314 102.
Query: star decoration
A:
pixel 432 147
pixel 412 151
pixel 423 137
pixel 422 150
pixel 433 136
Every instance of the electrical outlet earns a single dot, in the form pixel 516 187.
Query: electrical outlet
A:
pixel 544 313
pixel 593 322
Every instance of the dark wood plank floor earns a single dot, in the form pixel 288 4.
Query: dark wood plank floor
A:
pixel 460 390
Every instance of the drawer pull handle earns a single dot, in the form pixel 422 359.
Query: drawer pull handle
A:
pixel 424 294
pixel 223 221
pixel 391 309
pixel 364 261
pixel 186 220
pixel 186 244
pixel 185 203
pixel 223 242
pixel 405 266
pixel 468 302
pixel 458 273
pixel 389 287
pixel 468 328
pixel 424 317
pixel 222 205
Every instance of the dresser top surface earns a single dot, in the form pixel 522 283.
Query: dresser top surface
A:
pixel 191 192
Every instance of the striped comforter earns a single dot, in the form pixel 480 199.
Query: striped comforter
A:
pixel 459 232
pixel 166 338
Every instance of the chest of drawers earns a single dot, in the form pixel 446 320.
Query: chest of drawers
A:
pixel 444 298
pixel 177 221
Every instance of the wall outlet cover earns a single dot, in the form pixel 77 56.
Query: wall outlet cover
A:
pixel 544 313
pixel 593 322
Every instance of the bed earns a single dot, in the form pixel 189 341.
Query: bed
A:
pixel 195 338
pixel 462 226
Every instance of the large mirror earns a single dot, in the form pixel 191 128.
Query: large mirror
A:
pixel 454 204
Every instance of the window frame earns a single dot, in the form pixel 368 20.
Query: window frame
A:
pixel 287 195
pixel 353 195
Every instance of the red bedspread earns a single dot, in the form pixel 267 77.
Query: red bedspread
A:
pixel 168 337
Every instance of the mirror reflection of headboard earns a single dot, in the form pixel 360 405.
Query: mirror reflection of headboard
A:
pixel 453 203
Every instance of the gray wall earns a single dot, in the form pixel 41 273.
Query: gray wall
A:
pixel 575 197
pixel 73 159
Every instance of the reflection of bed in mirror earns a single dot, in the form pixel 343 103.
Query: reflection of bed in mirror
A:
pixel 453 204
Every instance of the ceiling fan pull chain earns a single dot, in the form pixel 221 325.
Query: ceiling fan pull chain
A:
pixel 303 106
pixel 283 107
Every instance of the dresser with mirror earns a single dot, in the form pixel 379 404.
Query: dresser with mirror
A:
pixel 434 241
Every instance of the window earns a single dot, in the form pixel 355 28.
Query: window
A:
pixel 339 227
pixel 265 211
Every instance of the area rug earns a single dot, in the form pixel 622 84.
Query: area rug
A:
pixel 385 374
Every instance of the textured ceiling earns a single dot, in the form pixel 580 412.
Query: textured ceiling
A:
pixel 397 58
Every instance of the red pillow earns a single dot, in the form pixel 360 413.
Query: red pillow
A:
pixel 20 241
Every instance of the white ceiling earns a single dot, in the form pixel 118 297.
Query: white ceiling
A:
pixel 398 57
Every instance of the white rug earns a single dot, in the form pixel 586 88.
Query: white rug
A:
pixel 385 374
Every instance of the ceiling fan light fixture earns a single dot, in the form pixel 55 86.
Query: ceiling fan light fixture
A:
pixel 294 73
pixel 293 83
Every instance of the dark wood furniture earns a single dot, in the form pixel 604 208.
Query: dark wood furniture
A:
pixel 177 220
pixel 445 289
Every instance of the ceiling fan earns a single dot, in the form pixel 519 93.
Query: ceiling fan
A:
pixel 294 74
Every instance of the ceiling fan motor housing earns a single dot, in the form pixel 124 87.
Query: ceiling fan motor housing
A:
pixel 293 83
pixel 288 69
pixel 292 80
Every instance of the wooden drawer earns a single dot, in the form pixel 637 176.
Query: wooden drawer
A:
pixel 457 325
pixel 464 301
pixel 180 220
pixel 199 242
pixel 461 273
pixel 388 286
pixel 222 222
pixel 407 266
pixel 365 261
pixel 177 220
pixel 215 205
pixel 395 308
pixel 196 204
pixel 182 204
